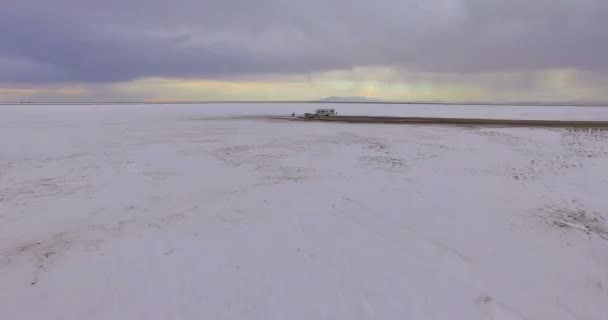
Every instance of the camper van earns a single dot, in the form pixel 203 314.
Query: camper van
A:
pixel 325 112
pixel 321 113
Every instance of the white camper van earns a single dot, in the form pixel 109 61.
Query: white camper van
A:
pixel 321 113
pixel 325 112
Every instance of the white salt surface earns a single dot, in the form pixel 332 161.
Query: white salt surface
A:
pixel 169 212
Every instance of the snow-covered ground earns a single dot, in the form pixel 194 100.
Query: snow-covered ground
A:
pixel 173 212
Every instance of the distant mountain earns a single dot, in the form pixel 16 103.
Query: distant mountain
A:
pixel 351 99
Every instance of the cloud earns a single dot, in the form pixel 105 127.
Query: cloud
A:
pixel 71 41
pixel 385 82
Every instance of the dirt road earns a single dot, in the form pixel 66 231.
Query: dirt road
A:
pixel 464 121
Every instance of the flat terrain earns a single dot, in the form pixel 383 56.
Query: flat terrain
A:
pixel 588 124
pixel 211 212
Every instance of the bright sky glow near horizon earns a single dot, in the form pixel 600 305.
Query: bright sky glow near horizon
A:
pixel 448 50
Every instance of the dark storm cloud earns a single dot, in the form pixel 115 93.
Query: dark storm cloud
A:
pixel 106 41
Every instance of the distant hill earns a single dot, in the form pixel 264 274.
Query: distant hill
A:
pixel 489 103
pixel 351 99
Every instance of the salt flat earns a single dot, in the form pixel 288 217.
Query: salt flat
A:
pixel 181 212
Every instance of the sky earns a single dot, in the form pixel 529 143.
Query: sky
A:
pixel 406 50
